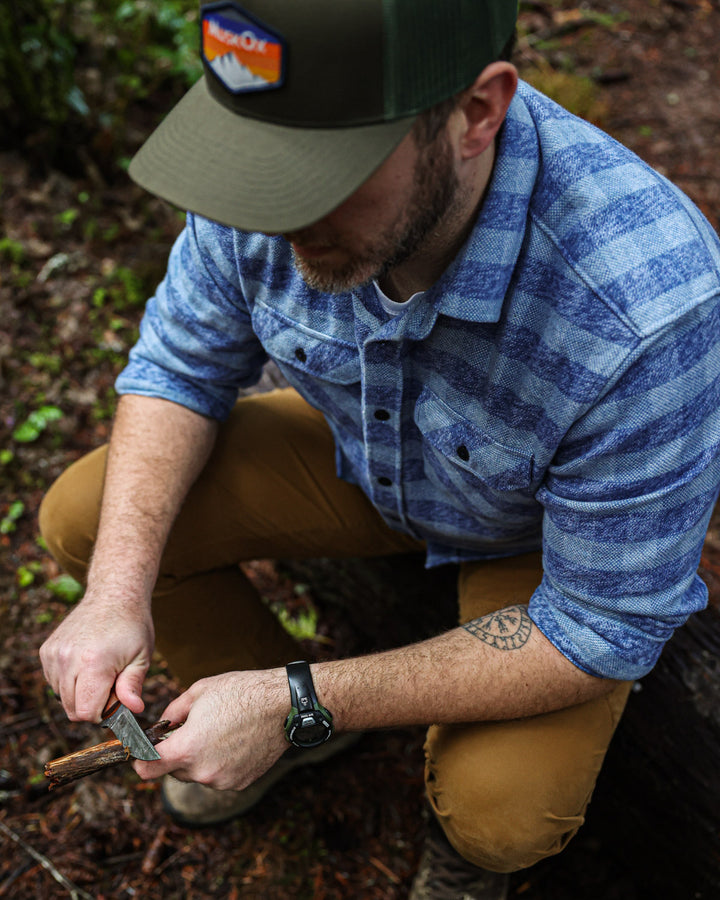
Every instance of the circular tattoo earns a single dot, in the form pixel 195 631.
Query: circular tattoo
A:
pixel 506 629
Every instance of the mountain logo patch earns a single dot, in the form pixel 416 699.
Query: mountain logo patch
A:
pixel 243 54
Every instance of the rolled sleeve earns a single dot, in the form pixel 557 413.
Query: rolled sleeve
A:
pixel 196 344
pixel 627 506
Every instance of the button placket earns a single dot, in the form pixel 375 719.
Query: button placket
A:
pixel 383 456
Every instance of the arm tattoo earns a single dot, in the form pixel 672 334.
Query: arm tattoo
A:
pixel 506 629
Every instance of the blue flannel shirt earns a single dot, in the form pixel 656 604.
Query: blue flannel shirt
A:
pixel 557 388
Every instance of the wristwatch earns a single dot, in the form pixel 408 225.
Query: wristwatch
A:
pixel 308 723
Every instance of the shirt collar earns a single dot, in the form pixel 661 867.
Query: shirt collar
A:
pixel 475 284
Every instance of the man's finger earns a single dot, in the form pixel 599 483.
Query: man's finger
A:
pixel 128 688
pixel 92 690
pixel 66 690
pixel 170 759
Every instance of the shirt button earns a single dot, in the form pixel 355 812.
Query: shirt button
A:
pixel 382 414
pixel 463 452
pixel 300 354
pixel 384 481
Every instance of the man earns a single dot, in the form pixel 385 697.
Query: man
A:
pixel 500 328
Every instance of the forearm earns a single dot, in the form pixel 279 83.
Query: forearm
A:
pixel 157 450
pixel 465 675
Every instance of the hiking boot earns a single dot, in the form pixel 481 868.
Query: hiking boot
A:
pixel 444 875
pixel 195 805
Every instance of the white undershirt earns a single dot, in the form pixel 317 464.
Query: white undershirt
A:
pixel 392 306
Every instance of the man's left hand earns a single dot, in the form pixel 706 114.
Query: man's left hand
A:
pixel 232 732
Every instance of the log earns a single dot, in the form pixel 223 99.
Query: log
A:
pixel 77 765
pixel 657 801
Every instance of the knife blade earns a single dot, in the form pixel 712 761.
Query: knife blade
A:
pixel 126 729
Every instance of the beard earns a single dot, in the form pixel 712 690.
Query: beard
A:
pixel 433 198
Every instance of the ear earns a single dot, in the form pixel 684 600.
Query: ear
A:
pixel 484 106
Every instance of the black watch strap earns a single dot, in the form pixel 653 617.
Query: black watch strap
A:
pixel 302 689
pixel 308 723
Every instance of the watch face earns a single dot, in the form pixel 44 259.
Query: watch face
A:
pixel 310 729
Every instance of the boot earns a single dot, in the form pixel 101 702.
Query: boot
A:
pixel 195 805
pixel 444 875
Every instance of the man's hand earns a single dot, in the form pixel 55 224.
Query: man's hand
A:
pixel 232 733
pixel 156 452
pixel 101 643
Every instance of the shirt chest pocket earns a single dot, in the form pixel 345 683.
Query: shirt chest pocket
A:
pixel 301 352
pixel 461 457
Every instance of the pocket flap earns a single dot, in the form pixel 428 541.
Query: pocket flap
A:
pixel 467 447
pixel 307 351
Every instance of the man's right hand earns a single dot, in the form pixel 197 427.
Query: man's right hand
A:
pixel 99 645
pixel 156 452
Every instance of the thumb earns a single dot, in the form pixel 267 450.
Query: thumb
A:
pixel 128 687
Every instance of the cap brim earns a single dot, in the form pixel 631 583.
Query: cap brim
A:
pixel 255 175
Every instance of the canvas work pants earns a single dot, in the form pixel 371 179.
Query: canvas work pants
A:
pixel 506 793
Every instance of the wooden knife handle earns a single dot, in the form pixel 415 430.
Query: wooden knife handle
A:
pixel 111 705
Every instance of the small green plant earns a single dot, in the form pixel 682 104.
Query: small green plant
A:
pixel 66 588
pixel 12 250
pixel 46 362
pixel 303 627
pixel 123 289
pixel 31 429
pixel 131 291
pixel 66 218
pixel 25 575
pixel 8 523
pixel 37 778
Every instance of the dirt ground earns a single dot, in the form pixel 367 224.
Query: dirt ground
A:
pixel 78 256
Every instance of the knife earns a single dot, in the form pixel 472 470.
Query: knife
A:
pixel 126 729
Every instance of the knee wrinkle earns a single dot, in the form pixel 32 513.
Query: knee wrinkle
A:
pixel 509 840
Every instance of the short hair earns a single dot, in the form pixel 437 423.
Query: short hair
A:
pixel 431 121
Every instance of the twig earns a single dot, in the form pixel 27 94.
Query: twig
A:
pixel 13 877
pixel 110 753
pixel 75 892
pixel 152 857
pixel 379 864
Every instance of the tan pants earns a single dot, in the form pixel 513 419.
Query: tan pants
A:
pixel 507 793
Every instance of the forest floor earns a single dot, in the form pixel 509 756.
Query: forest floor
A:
pixel 79 254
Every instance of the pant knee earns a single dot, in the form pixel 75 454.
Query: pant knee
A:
pixel 498 813
pixel 509 839
pixel 70 511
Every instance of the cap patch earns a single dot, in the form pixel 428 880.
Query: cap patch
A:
pixel 243 54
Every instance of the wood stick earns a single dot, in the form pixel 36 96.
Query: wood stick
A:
pixel 110 753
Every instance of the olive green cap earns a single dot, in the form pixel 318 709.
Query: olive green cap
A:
pixel 302 100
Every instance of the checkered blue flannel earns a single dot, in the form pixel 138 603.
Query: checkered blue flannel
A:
pixel 557 388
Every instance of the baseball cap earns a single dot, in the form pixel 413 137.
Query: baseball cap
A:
pixel 301 100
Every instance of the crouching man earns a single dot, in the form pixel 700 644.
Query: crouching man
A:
pixel 500 330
